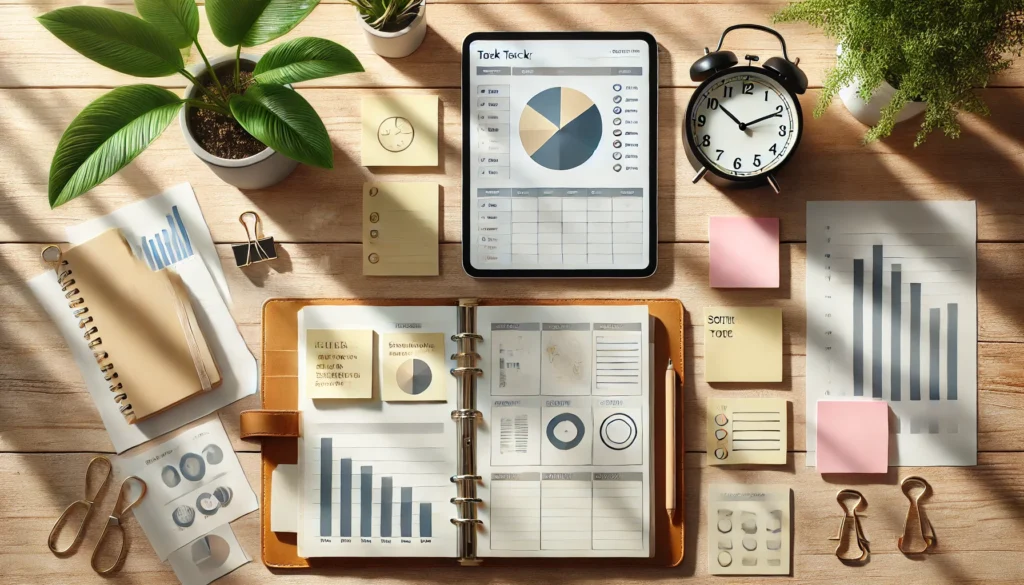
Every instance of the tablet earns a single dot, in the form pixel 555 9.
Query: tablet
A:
pixel 559 154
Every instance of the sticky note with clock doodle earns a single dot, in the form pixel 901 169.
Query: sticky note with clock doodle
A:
pixel 745 431
pixel 400 229
pixel 400 131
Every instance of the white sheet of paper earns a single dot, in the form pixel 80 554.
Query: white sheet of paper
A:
pixel 284 484
pixel 197 468
pixel 208 557
pixel 163 230
pixel 238 367
pixel 914 346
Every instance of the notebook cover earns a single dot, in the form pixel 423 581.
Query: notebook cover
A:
pixel 280 392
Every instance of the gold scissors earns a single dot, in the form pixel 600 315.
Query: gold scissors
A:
pixel 114 521
pixel 86 503
pixel 928 534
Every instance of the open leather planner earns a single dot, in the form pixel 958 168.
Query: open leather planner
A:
pixel 469 430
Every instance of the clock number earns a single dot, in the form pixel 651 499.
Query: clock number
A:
pixel 736 164
pixel 772 150
pixel 720 153
pixel 757 160
pixel 706 141
pixel 726 91
pixel 701 120
pixel 778 110
pixel 782 129
pixel 766 95
pixel 712 104
pixel 748 89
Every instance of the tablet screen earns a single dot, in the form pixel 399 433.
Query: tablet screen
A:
pixel 560 154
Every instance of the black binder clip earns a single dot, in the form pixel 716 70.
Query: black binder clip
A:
pixel 258 248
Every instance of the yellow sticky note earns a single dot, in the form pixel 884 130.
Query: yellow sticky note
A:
pixel 745 431
pixel 413 367
pixel 339 363
pixel 400 229
pixel 742 344
pixel 400 131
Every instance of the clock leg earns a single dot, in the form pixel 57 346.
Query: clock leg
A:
pixel 774 183
pixel 700 174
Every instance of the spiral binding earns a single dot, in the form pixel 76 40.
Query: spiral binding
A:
pixel 75 301
pixel 465 416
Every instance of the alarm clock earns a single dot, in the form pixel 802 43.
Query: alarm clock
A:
pixel 744 122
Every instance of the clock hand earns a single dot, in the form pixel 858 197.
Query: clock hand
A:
pixel 728 113
pixel 763 118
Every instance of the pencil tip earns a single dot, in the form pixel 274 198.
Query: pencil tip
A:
pixel 669 364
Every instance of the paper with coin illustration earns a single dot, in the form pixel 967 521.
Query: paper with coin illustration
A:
pixel 340 363
pixel 747 431
pixel 400 131
pixel 400 229
pixel 208 557
pixel 412 367
pixel 194 483
pixel 748 529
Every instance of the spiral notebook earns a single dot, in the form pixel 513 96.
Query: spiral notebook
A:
pixel 140 325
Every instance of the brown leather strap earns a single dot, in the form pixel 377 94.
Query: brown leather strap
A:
pixel 269 423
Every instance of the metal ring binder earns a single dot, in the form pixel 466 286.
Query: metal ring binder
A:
pixel 52 255
pixel 466 416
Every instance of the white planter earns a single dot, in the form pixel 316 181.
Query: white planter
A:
pixel 870 112
pixel 255 172
pixel 400 43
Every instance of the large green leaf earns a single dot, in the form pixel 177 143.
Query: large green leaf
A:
pixel 106 136
pixel 280 118
pixel 254 22
pixel 178 19
pixel 120 41
pixel 303 59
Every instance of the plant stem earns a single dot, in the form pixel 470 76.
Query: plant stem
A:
pixel 213 73
pixel 205 106
pixel 216 100
pixel 238 66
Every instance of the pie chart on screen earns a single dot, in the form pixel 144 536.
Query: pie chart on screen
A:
pixel 560 128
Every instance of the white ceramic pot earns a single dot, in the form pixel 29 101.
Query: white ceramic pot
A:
pixel 870 112
pixel 255 172
pixel 400 43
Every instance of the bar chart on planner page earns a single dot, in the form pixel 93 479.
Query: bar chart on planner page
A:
pixel 380 487
pixel 892 315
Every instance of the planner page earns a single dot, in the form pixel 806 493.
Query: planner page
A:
pixel 378 444
pixel 564 449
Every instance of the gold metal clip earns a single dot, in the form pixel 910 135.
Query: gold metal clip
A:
pixel 257 247
pixel 114 521
pixel 86 503
pixel 927 532
pixel 848 513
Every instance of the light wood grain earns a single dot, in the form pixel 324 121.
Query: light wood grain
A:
pixel 986 164
pixel 31 57
pixel 973 531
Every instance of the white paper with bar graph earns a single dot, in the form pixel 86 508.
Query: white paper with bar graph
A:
pixel 892 315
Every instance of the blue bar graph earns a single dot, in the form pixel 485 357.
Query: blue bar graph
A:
pixel 168 246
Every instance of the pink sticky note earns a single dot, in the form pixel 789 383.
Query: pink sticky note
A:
pixel 744 252
pixel 853 436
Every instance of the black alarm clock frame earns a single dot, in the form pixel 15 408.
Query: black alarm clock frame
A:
pixel 717 64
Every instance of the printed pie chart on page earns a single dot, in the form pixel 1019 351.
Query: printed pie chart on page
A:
pixel 560 128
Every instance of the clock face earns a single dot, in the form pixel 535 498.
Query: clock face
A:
pixel 743 124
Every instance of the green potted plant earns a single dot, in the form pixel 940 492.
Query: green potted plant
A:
pixel 901 57
pixel 393 28
pixel 239 113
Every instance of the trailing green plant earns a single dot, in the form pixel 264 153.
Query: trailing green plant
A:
pixel 387 15
pixel 111 131
pixel 938 51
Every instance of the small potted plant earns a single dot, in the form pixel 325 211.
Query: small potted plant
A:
pixel 393 28
pixel 900 58
pixel 239 114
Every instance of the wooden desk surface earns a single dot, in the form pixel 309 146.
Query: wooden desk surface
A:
pixel 49 428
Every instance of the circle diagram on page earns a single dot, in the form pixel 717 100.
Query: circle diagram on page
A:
pixel 560 128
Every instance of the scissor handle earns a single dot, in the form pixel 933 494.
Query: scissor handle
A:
pixel 86 502
pixel 114 521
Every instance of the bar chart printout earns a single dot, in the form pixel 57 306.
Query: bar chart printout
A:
pixel 379 486
pixel 892 315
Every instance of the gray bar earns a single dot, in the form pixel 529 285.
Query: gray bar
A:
pixel 895 373
pixel 599 192
pixel 622 476
pixel 616 327
pixel 385 506
pixel 346 498
pixel 578 71
pixel 515 326
pixel 876 321
pixel 934 320
pixel 365 499
pixel 494 70
pixel 627 192
pixel 548 192
pixel 951 334
pixel 858 327
pixel 527 476
pixel 326 453
pixel 566 327
pixel 426 520
pixel 493 192
pixel 572 192
pixel 574 476
pixel 915 341
pixel 406 512
pixel 524 192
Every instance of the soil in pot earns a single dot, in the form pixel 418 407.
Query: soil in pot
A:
pixel 220 135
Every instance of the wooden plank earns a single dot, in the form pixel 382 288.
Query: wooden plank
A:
pixel 322 206
pixel 972 510
pixel 32 57
pixel 44 391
